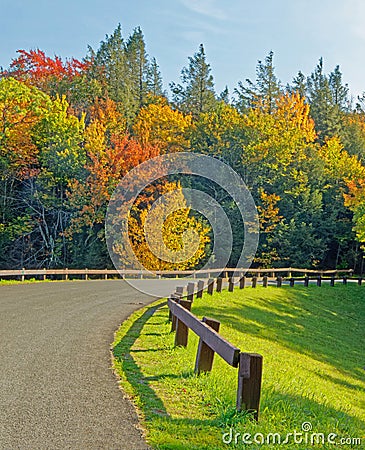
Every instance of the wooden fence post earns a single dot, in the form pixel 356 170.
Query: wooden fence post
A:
pixel 292 282
pixel 210 286
pixel 190 289
pixel 205 355
pixel 199 293
pixel 264 281
pixel 319 280
pixel 242 282
pixel 279 281
pixel 179 290
pixel 230 284
pixel 44 274
pixel 219 284
pixel 181 335
pixel 306 281
pixel 66 274
pixel 86 274
pixel 177 298
pixel 106 275
pixel 23 274
pixel 249 383
pixel 254 282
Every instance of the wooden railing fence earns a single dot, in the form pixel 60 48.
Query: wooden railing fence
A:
pixel 211 342
pixel 86 273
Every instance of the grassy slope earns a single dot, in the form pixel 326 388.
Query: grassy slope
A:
pixel 312 340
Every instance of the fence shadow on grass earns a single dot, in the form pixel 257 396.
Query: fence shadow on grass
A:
pixel 177 431
pixel 329 332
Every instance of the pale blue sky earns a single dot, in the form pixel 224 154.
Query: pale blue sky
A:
pixel 235 33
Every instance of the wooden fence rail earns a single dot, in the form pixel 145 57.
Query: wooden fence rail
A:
pixel 223 273
pixel 211 342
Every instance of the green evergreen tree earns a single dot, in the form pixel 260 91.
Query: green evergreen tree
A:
pixel 138 68
pixel 154 80
pixel 196 93
pixel 264 91
pixel 299 85
pixel 324 111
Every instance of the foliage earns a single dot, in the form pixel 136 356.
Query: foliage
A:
pixel 71 129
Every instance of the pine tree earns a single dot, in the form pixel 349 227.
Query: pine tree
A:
pixel 299 85
pixel 138 68
pixel 196 93
pixel 324 111
pixel 264 92
pixel 154 80
pixel 338 90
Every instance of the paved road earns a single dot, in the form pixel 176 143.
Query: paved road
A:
pixel 57 388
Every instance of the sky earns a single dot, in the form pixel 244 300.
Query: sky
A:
pixel 235 33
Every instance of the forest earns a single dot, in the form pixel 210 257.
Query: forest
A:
pixel 71 129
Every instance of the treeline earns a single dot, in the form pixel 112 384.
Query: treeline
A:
pixel 69 130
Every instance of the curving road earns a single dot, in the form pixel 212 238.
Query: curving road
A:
pixel 57 388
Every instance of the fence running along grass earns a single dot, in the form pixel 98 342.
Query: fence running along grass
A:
pixel 211 342
pixel 249 364
pixel 86 273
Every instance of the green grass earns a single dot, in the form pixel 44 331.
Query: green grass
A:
pixel 312 340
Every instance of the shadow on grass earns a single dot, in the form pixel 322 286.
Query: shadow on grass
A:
pixel 175 433
pixel 325 323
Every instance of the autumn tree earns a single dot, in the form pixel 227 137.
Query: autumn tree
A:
pixel 159 125
pixel 165 235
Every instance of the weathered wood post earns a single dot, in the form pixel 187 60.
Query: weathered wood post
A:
pixel 242 282
pixel 249 383
pixel 219 284
pixel 23 274
pixel 210 286
pixel 205 355
pixel 66 274
pixel 86 274
pixel 106 274
pixel 44 274
pixel 231 284
pixel 199 293
pixel 181 336
pixel 190 289
pixel 254 281
pixel 179 290
pixel 264 281
pixel 279 281
pixel 319 280
pixel 176 297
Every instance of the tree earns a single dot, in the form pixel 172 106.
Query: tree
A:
pixel 167 236
pixel 196 93
pixel 159 125
pixel 321 96
pixel 263 92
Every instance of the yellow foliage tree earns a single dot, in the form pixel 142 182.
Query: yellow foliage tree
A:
pixel 157 124
pixel 164 235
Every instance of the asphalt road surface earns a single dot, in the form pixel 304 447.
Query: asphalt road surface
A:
pixel 57 387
